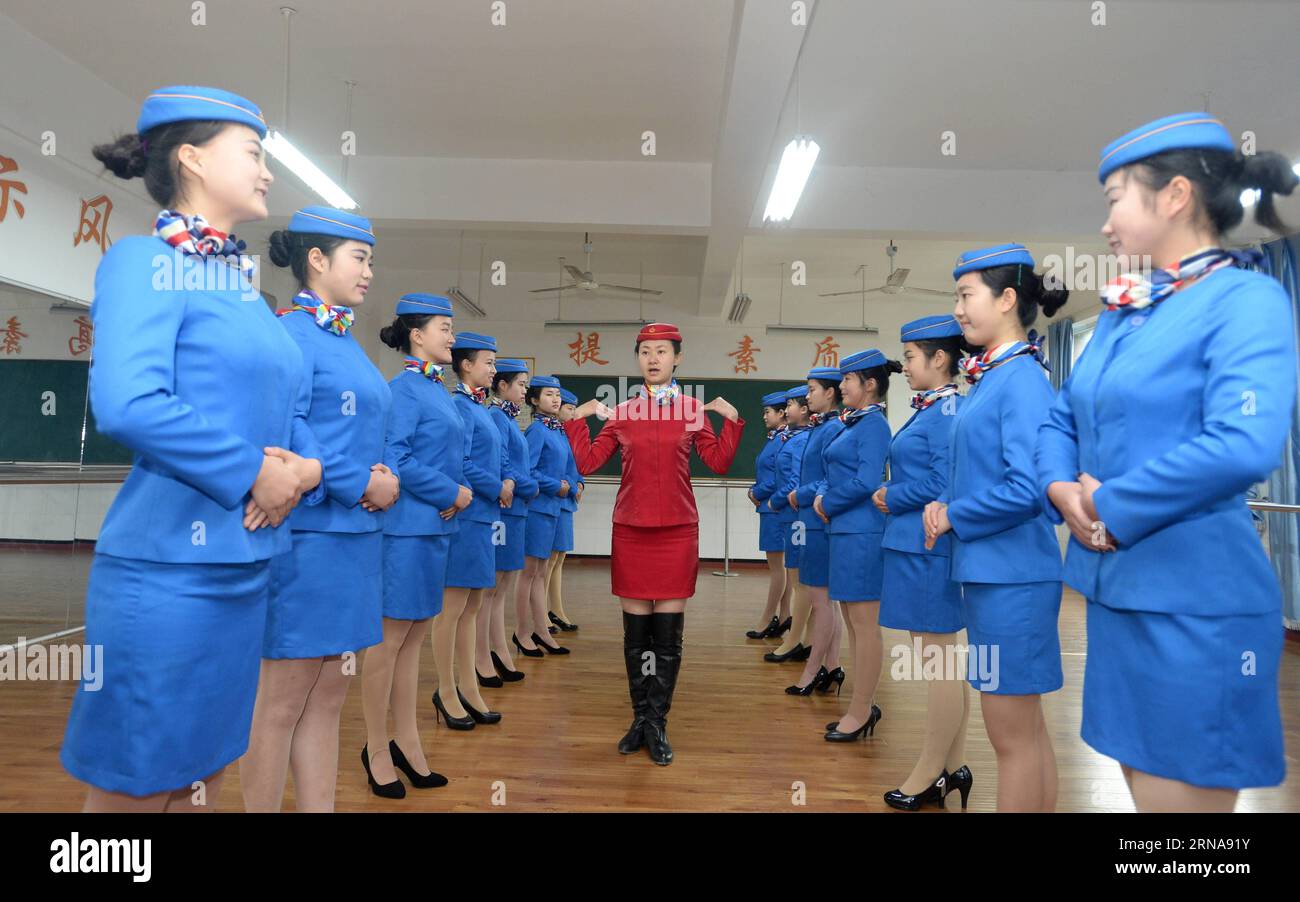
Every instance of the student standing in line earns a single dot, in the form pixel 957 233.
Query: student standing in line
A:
pixel 559 620
pixel 771 541
pixel 789 460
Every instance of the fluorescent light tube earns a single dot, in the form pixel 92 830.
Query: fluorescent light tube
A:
pixel 791 176
pixel 278 146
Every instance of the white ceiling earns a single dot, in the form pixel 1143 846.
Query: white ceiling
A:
pixel 527 135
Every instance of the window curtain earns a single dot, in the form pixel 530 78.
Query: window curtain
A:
pixel 1282 486
pixel 1060 350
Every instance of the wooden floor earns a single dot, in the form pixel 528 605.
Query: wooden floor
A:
pixel 741 743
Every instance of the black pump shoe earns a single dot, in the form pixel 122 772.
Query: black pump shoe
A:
pixel 508 675
pixel 527 652
pixel 833 734
pixel 546 649
pixel 931 795
pixel 806 691
pixel 476 715
pixel 456 723
pixel 394 790
pixel 431 780
pixel 782 629
pixel 835 676
pixel 492 682
pixel 764 632
pixel 773 658
pixel 961 780
pixel 561 622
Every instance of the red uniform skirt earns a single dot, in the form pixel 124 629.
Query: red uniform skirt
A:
pixel 655 563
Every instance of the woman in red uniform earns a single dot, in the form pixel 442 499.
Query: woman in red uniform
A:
pixel 656 535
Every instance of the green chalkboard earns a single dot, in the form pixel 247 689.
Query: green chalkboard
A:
pixel 42 409
pixel 745 394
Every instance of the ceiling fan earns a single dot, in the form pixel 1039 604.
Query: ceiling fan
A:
pixel 895 284
pixel 586 281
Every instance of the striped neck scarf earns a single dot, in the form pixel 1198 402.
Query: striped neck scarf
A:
pixel 192 235
pixel 662 394
pixel 851 415
pixel 425 368
pixel 1134 291
pixel 332 318
pixel 790 431
pixel 979 364
pixel 550 422
pixel 477 395
pixel 509 408
pixel 922 400
pixel 817 419
pixel 773 432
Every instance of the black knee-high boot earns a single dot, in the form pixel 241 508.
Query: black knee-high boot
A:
pixel 636 641
pixel 666 630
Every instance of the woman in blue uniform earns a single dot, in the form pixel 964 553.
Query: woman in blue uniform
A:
pixel 917 594
pixel 1004 550
pixel 201 385
pixel 559 620
pixel 855 467
pixel 789 460
pixel 1180 403
pixel 424 443
pixel 823 668
pixel 548 455
pixel 509 385
pixel 471 563
pixel 771 541
pixel 325 593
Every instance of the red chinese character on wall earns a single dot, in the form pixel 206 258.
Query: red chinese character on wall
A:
pixel 95 226
pixel 744 355
pixel 826 352
pixel 12 337
pixel 588 351
pixel 80 343
pixel 8 165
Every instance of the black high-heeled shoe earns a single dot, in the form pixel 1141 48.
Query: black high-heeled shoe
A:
pixel 806 691
pixel 764 632
pixel 961 780
pixel 782 629
pixel 931 795
pixel 527 652
pixel 476 715
pixel 546 649
pixel 394 790
pixel 773 658
pixel 456 723
pixel 834 734
pixel 561 622
pixel 508 675
pixel 492 682
pixel 803 655
pixel 835 676
pixel 431 780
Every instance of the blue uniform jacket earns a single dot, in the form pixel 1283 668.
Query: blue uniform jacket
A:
pixel 546 458
pixel 196 381
pixel 1001 533
pixel 789 463
pixel 812 473
pixel 570 501
pixel 918 474
pixel 1178 410
pixel 855 467
pixel 346 410
pixel 515 456
pixel 765 474
pixel 484 466
pixel 425 443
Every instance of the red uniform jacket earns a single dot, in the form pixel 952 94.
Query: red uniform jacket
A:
pixel 656 446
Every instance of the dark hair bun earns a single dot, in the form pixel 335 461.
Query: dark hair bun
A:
pixel 1053 299
pixel 281 251
pixel 125 157
pixel 395 336
pixel 894 366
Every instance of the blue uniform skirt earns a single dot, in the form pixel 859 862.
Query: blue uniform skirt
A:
pixel 917 594
pixel 857 566
pixel 539 535
pixel 792 550
pixel 770 534
pixel 564 531
pixel 326 595
pixel 1170 695
pixel 472 559
pixel 415 572
pixel 815 558
pixel 510 553
pixel 181 650
pixel 1011 628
